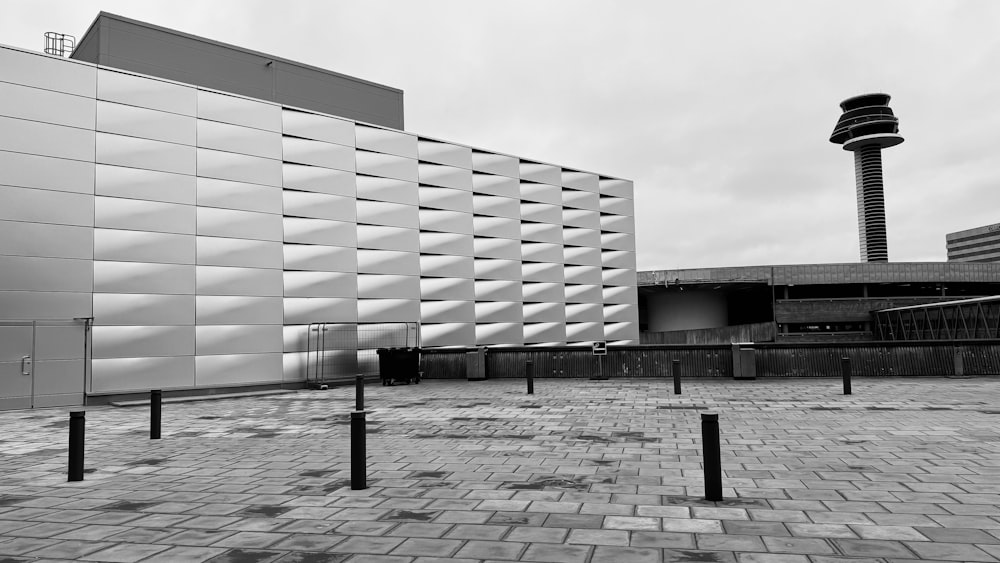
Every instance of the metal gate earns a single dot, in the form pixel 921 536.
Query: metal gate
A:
pixel 43 363
pixel 337 352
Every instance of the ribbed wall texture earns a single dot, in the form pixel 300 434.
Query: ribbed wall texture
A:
pixel 871 204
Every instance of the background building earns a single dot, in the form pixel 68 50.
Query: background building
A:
pixel 981 244
pixel 159 234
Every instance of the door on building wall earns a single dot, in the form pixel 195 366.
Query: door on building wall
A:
pixel 42 363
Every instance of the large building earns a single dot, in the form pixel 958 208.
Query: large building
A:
pixel 981 244
pixel 163 234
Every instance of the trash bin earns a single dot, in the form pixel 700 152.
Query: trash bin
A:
pixel 744 366
pixel 475 365
pixel 399 365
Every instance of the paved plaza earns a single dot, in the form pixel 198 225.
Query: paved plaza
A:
pixel 581 471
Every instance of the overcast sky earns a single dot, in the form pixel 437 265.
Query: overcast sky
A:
pixel 720 111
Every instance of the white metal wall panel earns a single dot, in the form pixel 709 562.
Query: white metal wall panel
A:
pixel 238 195
pixel 239 111
pixel 143 309
pixel 507 249
pixel 542 193
pixel 585 332
pixel 143 277
pixel 620 312
pixel 542 272
pixel 445 266
pixel 57 108
pixel 499 333
pixel 141 374
pixel 49 72
pixel 235 369
pixel 496 206
pixel 542 252
pixel 238 339
pixel 445 198
pixel 587 275
pixel 502 227
pixel 583 294
pixel 317 153
pixel 30 273
pixel 320 258
pixel 42 305
pixel 449 243
pixel 386 165
pixel 146 123
pixel 622 294
pixel 387 214
pixel 239 167
pixel 580 180
pixel 581 200
pixel 618 259
pixel 448 334
pixel 46 173
pixel 227 280
pixel 243 140
pixel 618 223
pixel 581 237
pixel 542 173
pixel 585 218
pixel 541 213
pixel 543 292
pixel 144 153
pixel 582 255
pixel 305 310
pixel 249 253
pixel 447 311
pixel 388 286
pixel 495 164
pixel 44 206
pixel 444 153
pixel 496 269
pixel 388 310
pixel 142 341
pixel 318 127
pixel 33 137
pixel 488 184
pixel 499 312
pixel 498 290
pixel 542 232
pixel 232 223
pixel 617 241
pixel 445 176
pixel 544 332
pixel 49 241
pixel 387 189
pixel 388 238
pixel 627 332
pixel 319 206
pixel 617 206
pixel 146 92
pixel 143 246
pixel 617 188
pixel 317 179
pixel 447 288
pixel 385 141
pixel 233 310
pixel 321 284
pixel 388 262
pixel 584 312
pixel 619 277
pixel 140 215
pixel 138 183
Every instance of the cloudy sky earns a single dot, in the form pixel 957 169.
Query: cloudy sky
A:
pixel 719 110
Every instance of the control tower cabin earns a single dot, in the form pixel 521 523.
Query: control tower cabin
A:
pixel 866 127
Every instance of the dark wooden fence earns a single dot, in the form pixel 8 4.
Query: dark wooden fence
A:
pixel 967 357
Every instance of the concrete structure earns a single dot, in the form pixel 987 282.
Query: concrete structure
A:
pixel 807 302
pixel 156 234
pixel 981 244
pixel 866 127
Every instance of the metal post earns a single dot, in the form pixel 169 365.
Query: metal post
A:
pixel 675 367
pixel 359 393
pixel 712 456
pixel 845 368
pixel 76 429
pixel 529 374
pixel 155 403
pixel 358 461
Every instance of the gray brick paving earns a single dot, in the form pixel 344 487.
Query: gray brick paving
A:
pixel 581 472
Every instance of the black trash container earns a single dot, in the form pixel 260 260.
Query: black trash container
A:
pixel 399 365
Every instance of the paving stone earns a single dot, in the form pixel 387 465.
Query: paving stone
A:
pixel 754 528
pixel 125 553
pixel 958 535
pixel 549 553
pixel 477 532
pixel 476 549
pixel 427 546
pixel 722 542
pixel 698 556
pixel 805 546
pixel 949 551
pixel 537 534
pixel 873 548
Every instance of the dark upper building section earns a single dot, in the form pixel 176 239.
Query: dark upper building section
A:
pixel 136 46
pixel 867 118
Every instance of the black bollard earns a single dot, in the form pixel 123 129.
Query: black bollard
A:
pixel 712 455
pixel 529 375
pixel 155 402
pixel 359 393
pixel 76 428
pixel 358 457
pixel 676 369
pixel 845 369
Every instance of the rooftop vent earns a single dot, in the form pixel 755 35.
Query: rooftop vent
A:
pixel 59 44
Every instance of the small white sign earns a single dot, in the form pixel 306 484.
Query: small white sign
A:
pixel 600 348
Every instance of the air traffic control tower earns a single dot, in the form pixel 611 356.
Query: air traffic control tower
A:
pixel 866 127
